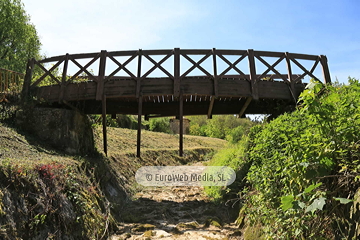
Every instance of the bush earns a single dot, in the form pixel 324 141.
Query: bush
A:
pixel 159 125
pixel 305 166
pixel 227 127
pixel 236 158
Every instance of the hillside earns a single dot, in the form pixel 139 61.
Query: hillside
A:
pixel 46 193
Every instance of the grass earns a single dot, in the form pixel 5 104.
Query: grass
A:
pixel 23 149
pixel 122 141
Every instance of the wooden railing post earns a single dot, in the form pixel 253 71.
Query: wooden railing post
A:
pixel 63 79
pixel 176 72
pixel 216 91
pixel 292 81
pixel 325 68
pixel 138 80
pixel 100 83
pixel 27 80
pixel 253 79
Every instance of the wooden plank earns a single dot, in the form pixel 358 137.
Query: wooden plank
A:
pixel 138 144
pixel 231 52
pixel 176 72
pixel 100 83
pixel 253 79
pixel 268 54
pixel 198 86
pixel 181 126
pixel 194 51
pixel 274 90
pixel 272 76
pixel 103 108
pixel 304 56
pixel 73 56
pixel 325 67
pixel 158 52
pixel 246 104
pixel 234 87
pixel 123 53
pixel 209 113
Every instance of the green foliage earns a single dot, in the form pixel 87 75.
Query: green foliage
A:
pixel 127 121
pixel 226 127
pixel 62 200
pixel 234 157
pixel 160 125
pixel 19 40
pixel 301 161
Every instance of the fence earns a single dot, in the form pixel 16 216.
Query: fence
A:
pixel 10 81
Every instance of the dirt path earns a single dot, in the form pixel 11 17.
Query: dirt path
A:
pixel 177 213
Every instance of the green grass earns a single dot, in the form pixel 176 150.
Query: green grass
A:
pixel 122 141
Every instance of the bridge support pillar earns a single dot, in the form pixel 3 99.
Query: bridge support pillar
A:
pixel 104 123
pixel 181 127
pixel 138 144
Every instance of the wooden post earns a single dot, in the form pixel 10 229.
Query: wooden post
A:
pixel 138 80
pixel 63 79
pixel 101 78
pixel 1 74
pixel 176 72
pixel 139 97
pixel 104 123
pixel 325 68
pixel 253 79
pixel 181 127
pixel 138 144
pixel 292 83
pixel 27 80
pixel 246 104
pixel 216 91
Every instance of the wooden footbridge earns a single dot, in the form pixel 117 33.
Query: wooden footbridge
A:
pixel 175 82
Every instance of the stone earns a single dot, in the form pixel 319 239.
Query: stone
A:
pixel 63 129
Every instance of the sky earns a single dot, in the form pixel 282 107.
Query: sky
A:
pixel 313 27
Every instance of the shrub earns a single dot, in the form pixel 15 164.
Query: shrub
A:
pixel 305 166
pixel 159 125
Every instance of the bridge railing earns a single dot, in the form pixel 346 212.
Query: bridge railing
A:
pixel 10 81
pixel 176 64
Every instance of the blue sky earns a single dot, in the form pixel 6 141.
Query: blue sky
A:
pixel 315 27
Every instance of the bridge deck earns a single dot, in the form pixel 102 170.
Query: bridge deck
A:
pixel 158 97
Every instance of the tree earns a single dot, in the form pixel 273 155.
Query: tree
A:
pixel 18 37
